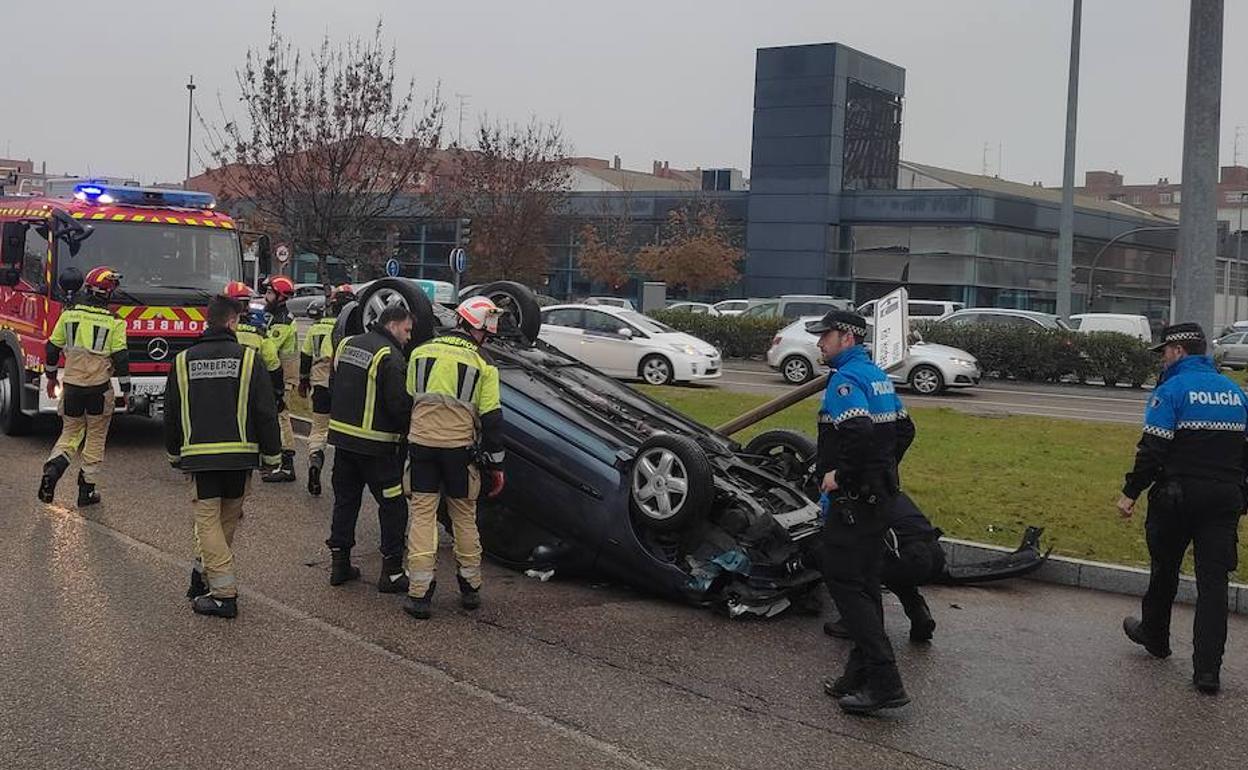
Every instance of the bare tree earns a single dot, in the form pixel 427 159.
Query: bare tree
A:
pixel 325 143
pixel 695 249
pixel 513 184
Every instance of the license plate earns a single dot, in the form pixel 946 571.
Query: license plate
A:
pixel 147 389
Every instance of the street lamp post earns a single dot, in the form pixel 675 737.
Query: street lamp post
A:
pixel 190 112
pixel 1097 257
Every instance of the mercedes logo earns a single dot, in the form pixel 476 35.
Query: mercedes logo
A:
pixel 157 349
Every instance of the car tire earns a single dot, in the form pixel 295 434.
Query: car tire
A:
pixel 347 324
pixel 796 369
pixel 790 455
pixel 13 421
pixel 926 380
pixel 671 484
pixel 655 369
pixel 386 292
pixel 522 313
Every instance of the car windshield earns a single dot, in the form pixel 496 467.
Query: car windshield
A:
pixel 646 324
pixel 160 256
pixel 1075 323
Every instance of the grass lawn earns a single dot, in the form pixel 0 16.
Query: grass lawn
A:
pixel 986 478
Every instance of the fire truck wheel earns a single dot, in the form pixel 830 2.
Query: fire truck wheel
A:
pixel 12 420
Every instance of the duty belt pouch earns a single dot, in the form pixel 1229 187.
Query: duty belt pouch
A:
pixel 1166 496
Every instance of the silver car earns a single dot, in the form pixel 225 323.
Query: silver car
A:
pixel 928 370
pixel 1231 350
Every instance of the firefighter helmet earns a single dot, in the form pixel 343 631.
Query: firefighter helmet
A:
pixel 480 313
pixel 339 296
pixel 101 281
pixel 280 285
pixel 237 291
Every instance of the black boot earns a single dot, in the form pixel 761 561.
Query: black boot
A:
pixel 341 570
pixel 393 579
pixel 469 597
pixel 1207 682
pixel 287 470
pixel 315 461
pixel 1135 631
pixel 52 471
pixel 211 605
pixel 922 625
pixel 836 629
pixel 86 492
pixel 198 587
pixel 882 690
pixel 851 679
pixel 420 607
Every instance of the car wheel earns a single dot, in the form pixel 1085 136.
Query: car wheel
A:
pixel 796 369
pixel 671 483
pixel 396 292
pixel 656 370
pixel 12 420
pixel 788 454
pixel 348 323
pixel 926 380
pixel 522 315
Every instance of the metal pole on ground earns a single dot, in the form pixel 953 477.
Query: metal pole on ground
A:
pixel 1066 225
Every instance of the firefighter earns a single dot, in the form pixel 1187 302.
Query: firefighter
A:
pixel 315 363
pixel 220 425
pixel 94 343
pixel 252 332
pixel 277 290
pixel 369 413
pixel 456 424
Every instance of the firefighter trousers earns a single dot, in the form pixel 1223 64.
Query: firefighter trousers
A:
pixel 382 475
pixel 319 434
pixel 436 475
pixel 84 429
pixel 217 498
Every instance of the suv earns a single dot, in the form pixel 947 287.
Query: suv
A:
pixel 1003 317
pixel 1130 325
pixel 795 306
pixel 917 309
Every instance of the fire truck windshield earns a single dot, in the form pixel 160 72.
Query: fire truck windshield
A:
pixel 159 258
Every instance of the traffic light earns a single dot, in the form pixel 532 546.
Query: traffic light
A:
pixel 465 231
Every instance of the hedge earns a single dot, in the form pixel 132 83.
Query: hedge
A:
pixel 736 337
pixel 1049 355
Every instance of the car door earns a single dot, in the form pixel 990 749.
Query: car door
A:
pixel 610 344
pixel 561 328
pixel 1236 349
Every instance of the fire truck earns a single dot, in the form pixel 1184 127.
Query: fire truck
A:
pixel 173 249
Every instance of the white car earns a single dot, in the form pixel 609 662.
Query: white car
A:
pixel 621 302
pixel 917 309
pixel 1130 325
pixel 625 343
pixel 731 306
pixel 697 308
pixel 928 370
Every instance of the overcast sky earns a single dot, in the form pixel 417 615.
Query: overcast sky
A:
pixel 99 88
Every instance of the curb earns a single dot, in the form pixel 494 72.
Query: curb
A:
pixel 1094 575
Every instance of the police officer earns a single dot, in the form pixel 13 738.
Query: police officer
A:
pixel 281 324
pixel 220 425
pixel 94 343
pixel 369 414
pixel 863 433
pixel 315 362
pixel 1191 459
pixel 457 421
pixel 912 558
pixel 252 332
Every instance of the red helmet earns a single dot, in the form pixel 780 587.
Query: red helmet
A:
pixel 237 290
pixel 480 313
pixel 101 281
pixel 282 286
pixel 339 296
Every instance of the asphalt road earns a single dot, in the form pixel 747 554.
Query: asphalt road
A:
pixel 104 665
pixel 1074 402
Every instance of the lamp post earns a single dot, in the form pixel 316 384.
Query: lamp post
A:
pixel 1097 257
pixel 190 112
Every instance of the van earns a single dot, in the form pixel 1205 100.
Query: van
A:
pixel 795 306
pixel 1123 323
pixel 918 309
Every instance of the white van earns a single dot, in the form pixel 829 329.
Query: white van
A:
pixel 1131 325
pixel 918 309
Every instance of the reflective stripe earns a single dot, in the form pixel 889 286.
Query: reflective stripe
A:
pixel 271 459
pixel 244 391
pixel 392 492
pixel 469 385
pixel 364 433
pixel 220 447
pixel 185 402
pixel 1159 432
pixel 221 581
pixel 370 392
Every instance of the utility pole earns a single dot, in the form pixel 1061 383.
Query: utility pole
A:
pixel 1066 224
pixel 1195 266
pixel 463 99
pixel 190 112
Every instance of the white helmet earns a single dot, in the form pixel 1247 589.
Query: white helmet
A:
pixel 480 313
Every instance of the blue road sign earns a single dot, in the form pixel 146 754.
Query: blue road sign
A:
pixel 459 260
pixel 392 268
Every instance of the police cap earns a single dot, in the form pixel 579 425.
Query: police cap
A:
pixel 839 320
pixel 1184 332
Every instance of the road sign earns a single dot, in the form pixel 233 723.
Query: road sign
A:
pixel 892 330
pixel 282 253
pixel 459 260
pixel 392 268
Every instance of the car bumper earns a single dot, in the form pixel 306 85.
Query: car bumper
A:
pixel 958 376
pixel 698 368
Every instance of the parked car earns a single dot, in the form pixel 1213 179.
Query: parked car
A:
pixel 795 305
pixel 1231 350
pixel 698 308
pixel 622 302
pixel 731 306
pixel 625 343
pixel 1000 316
pixel 1236 326
pixel 1132 325
pixel 306 294
pixel 918 309
pixel 928 370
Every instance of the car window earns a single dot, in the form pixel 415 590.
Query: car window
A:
pixel 568 316
pixel 35 257
pixel 1014 321
pixel 645 323
pixel 603 323
pixel 1233 339
pixel 763 310
pixel 1076 323
pixel 796 309
pixel 964 319
pixel 925 309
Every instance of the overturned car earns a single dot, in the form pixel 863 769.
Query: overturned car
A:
pixel 604 481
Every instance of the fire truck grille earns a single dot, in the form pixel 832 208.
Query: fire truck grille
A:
pixel 157 350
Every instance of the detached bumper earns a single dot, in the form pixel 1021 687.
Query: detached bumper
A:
pixel 147 397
